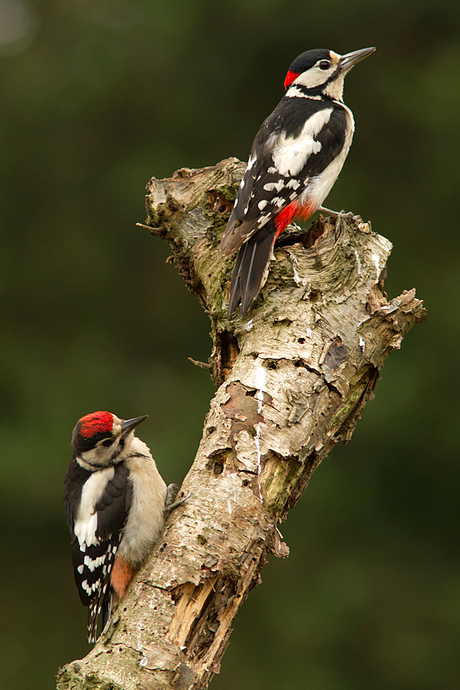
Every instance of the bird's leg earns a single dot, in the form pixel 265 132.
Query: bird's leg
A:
pixel 170 503
pixel 330 211
pixel 339 219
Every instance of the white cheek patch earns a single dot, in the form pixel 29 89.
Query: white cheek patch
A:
pixel 314 77
pixel 335 89
pixel 290 155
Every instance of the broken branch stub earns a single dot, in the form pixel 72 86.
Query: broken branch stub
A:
pixel 297 370
pixel 293 376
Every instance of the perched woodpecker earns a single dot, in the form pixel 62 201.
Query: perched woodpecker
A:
pixel 114 500
pixel 295 159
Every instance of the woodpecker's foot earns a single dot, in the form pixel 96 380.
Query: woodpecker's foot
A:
pixel 330 211
pixel 170 503
pixel 339 219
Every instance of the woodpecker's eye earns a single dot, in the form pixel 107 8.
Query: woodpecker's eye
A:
pixel 107 442
pixel 324 64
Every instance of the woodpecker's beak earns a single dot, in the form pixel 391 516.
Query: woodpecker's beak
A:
pixel 347 61
pixel 128 425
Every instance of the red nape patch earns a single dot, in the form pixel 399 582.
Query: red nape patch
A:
pixel 287 215
pixel 96 423
pixel 290 77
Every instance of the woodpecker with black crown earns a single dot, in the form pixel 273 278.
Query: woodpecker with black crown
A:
pixel 115 501
pixel 295 159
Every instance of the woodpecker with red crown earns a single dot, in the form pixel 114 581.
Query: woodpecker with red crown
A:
pixel 295 159
pixel 115 501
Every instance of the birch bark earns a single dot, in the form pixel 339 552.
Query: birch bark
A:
pixel 293 377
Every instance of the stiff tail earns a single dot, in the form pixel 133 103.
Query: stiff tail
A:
pixel 250 268
pixel 101 605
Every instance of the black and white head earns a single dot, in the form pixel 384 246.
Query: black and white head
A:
pixel 101 439
pixel 322 72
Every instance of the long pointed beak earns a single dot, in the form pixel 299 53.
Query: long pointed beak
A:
pixel 350 59
pixel 128 425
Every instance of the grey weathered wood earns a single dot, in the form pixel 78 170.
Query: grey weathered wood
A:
pixel 293 378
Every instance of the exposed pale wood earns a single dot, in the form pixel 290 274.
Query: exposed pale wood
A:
pixel 293 378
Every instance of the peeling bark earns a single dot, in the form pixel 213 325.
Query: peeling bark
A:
pixel 293 377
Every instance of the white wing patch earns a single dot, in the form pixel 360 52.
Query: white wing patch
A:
pixel 85 531
pixel 290 155
pixel 86 520
pixel 319 187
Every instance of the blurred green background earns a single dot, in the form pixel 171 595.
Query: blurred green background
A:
pixel 96 97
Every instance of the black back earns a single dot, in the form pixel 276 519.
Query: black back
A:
pixel 112 510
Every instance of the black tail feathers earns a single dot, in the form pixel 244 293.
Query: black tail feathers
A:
pixel 250 268
pixel 100 605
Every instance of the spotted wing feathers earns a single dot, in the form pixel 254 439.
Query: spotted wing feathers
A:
pixel 296 143
pixel 96 534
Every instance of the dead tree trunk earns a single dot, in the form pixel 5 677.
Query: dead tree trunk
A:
pixel 293 377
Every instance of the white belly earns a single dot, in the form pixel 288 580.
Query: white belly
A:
pixel 146 516
pixel 320 185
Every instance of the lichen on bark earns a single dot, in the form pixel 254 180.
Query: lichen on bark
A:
pixel 293 377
